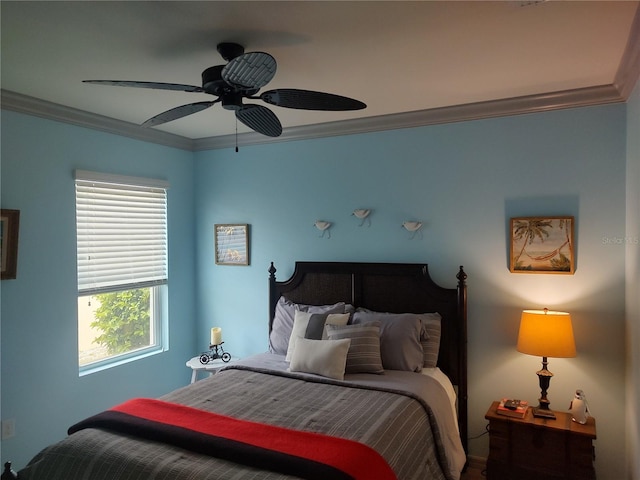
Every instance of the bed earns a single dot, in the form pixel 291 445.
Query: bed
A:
pixel 341 392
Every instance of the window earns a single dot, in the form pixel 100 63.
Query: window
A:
pixel 121 229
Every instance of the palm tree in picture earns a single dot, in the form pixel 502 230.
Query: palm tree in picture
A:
pixel 528 230
pixel 563 263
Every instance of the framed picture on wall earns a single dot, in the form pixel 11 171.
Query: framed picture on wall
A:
pixel 542 245
pixel 9 225
pixel 232 244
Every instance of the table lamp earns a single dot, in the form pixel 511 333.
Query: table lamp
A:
pixel 544 333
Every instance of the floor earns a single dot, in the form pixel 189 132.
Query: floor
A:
pixel 475 471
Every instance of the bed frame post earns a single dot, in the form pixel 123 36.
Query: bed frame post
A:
pixel 273 294
pixel 462 389
pixel 8 473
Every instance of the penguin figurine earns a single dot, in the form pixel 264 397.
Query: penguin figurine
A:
pixel 579 409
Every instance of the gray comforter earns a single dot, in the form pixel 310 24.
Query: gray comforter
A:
pixel 402 427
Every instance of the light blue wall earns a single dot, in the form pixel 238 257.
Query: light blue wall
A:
pixel 41 388
pixel 464 181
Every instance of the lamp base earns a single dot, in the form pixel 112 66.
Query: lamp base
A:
pixel 544 377
pixel 542 412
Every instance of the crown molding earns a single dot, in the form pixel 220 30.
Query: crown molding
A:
pixel 54 111
pixel 458 113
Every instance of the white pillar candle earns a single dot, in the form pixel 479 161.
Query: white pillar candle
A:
pixel 216 336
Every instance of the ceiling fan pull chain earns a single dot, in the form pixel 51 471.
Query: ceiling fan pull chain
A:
pixel 236 134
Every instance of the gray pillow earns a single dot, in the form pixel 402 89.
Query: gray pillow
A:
pixel 364 352
pixel 315 327
pixel 318 321
pixel 283 321
pixel 400 335
pixel 301 322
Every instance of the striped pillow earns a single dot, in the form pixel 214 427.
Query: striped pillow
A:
pixel 364 352
pixel 400 335
pixel 430 344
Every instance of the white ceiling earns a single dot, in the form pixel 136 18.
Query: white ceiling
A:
pixel 396 56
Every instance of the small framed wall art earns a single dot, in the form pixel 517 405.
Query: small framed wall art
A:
pixel 542 245
pixel 9 225
pixel 231 244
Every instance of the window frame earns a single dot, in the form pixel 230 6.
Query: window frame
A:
pixel 158 288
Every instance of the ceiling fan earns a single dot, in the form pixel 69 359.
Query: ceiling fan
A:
pixel 242 77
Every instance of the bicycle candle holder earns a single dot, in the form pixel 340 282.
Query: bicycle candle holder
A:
pixel 215 348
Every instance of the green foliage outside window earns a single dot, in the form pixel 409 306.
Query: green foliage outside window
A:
pixel 124 320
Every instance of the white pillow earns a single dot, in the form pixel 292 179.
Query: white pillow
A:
pixel 301 322
pixel 322 357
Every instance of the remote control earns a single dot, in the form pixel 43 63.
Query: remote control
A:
pixel 511 404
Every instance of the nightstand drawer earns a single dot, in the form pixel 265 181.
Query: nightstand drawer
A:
pixel 539 449
pixel 582 448
pixel 581 457
pixel 499 430
pixel 499 449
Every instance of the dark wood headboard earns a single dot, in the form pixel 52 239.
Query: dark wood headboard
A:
pixel 388 287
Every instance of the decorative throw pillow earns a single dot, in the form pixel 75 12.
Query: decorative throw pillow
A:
pixel 400 335
pixel 364 352
pixel 322 357
pixel 431 345
pixel 316 328
pixel 301 322
pixel 283 321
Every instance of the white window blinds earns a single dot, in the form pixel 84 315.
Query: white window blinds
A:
pixel 121 232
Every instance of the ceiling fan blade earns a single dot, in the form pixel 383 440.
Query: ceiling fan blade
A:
pixel 250 70
pixel 154 85
pixel 310 100
pixel 176 113
pixel 260 119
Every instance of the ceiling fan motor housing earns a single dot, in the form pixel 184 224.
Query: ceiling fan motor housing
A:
pixel 212 81
pixel 232 101
pixel 230 95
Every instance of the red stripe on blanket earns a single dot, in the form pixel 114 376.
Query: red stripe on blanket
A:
pixel 356 459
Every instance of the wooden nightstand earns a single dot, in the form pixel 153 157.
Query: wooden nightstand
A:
pixel 538 448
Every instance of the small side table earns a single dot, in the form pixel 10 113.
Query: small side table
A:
pixel 211 367
pixel 537 448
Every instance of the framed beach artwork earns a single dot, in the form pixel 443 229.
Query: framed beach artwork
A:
pixel 9 225
pixel 232 244
pixel 542 245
